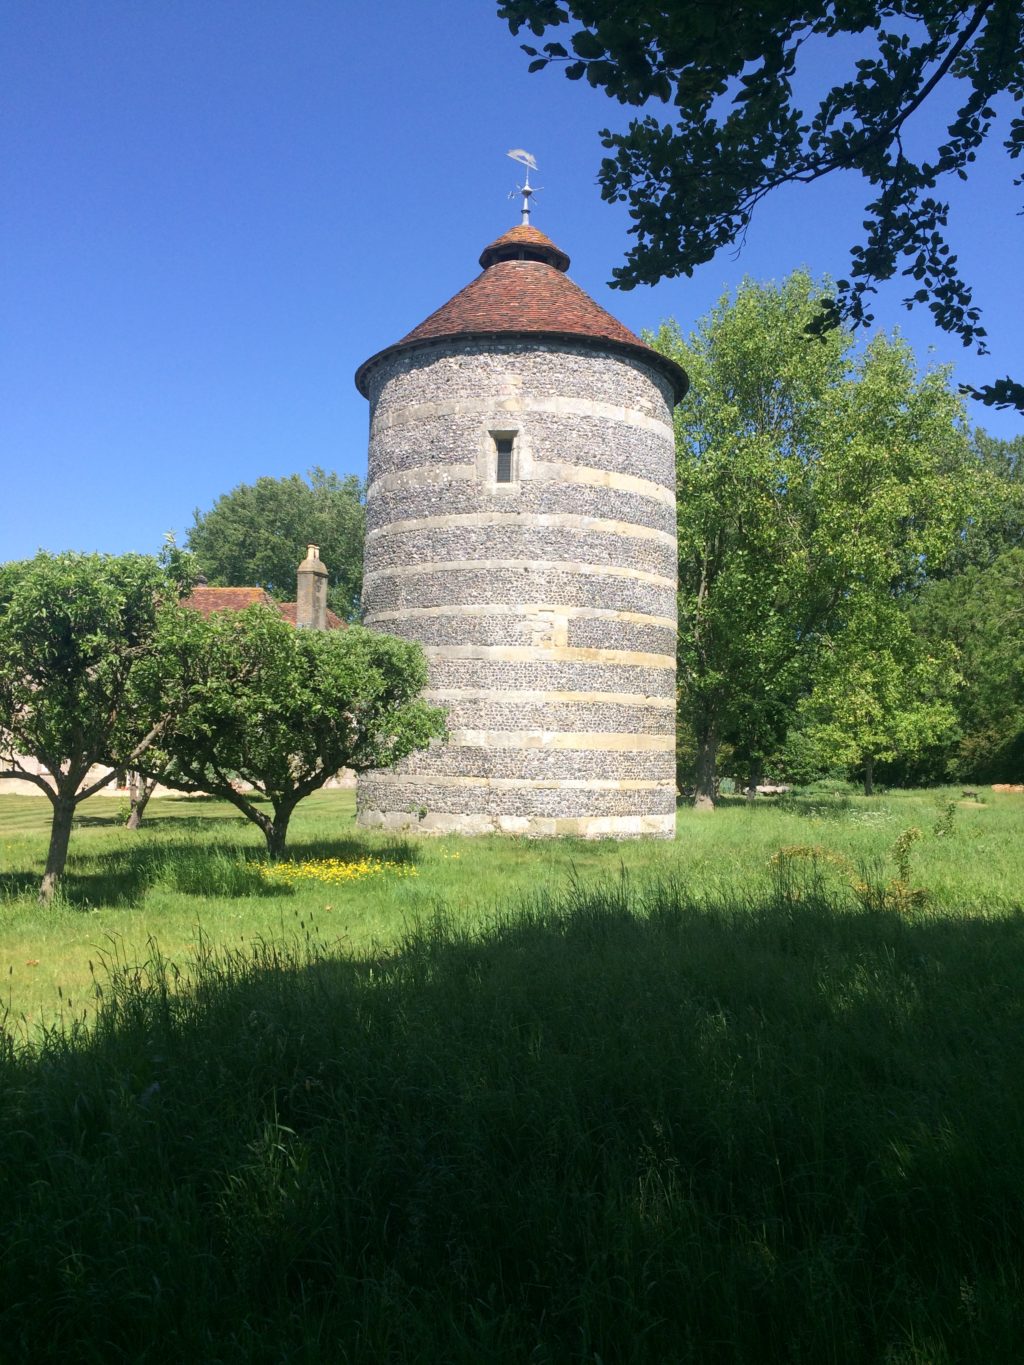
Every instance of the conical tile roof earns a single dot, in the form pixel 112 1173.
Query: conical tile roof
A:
pixel 525 292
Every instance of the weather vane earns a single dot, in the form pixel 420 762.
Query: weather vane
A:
pixel 525 189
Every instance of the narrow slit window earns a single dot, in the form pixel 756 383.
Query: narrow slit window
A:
pixel 503 468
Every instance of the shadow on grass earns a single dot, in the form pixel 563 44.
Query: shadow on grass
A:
pixel 813 806
pixel 623 1127
pixel 120 877
pixel 396 850
pixel 736 801
pixel 16 884
pixel 176 812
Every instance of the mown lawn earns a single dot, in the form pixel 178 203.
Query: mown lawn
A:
pixel 540 1103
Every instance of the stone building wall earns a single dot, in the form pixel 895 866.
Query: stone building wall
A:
pixel 547 605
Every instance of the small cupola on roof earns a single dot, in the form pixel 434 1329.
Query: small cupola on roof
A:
pixel 524 292
pixel 524 243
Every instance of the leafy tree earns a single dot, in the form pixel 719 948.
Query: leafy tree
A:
pixel 877 693
pixel 804 473
pixel 256 536
pixel 74 629
pixel 261 705
pixel 692 185
pixel 981 613
pixel 998 521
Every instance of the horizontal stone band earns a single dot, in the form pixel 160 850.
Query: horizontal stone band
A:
pixel 537 520
pixel 526 565
pixel 521 609
pixel 511 697
pixel 497 404
pixel 431 476
pixel 515 654
pixel 590 784
pixel 552 739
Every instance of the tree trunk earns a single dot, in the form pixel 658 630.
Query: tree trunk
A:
pixel 140 789
pixel 755 773
pixel 707 767
pixel 869 776
pixel 276 832
pixel 57 855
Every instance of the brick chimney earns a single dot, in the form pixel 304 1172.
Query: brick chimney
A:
pixel 311 595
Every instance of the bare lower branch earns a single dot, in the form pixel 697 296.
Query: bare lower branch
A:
pixel 94 787
pixel 147 742
pixel 21 775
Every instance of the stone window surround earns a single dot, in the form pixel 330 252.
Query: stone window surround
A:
pixel 487 459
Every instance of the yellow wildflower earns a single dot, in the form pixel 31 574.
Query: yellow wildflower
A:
pixel 334 871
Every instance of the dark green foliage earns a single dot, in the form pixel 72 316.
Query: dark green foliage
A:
pixel 693 185
pixel 981 611
pixel 998 524
pixel 623 1127
pixel 975 606
pixel 256 536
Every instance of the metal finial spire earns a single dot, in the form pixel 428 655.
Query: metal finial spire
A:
pixel 525 189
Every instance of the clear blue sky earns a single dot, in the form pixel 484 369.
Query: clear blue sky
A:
pixel 214 210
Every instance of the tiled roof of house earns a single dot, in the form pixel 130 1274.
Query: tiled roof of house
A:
pixel 207 600
pixel 524 291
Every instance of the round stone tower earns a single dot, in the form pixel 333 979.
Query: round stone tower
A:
pixel 521 526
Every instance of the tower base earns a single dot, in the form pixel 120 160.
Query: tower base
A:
pixel 526 826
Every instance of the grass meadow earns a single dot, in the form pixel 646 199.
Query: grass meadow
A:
pixel 755 1095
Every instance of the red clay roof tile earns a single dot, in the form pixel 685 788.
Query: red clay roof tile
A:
pixel 207 600
pixel 522 296
pixel 524 291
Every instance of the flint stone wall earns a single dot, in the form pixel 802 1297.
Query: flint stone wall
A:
pixel 495 580
pixel 546 606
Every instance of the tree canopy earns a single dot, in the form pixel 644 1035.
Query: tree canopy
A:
pixel 807 475
pixel 256 536
pixel 877 692
pixel 998 523
pixel 692 185
pixel 981 613
pixel 74 629
pixel 267 713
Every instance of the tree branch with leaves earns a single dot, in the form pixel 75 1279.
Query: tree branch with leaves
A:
pixel 692 185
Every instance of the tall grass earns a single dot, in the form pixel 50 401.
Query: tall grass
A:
pixel 633 1123
pixel 193 870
